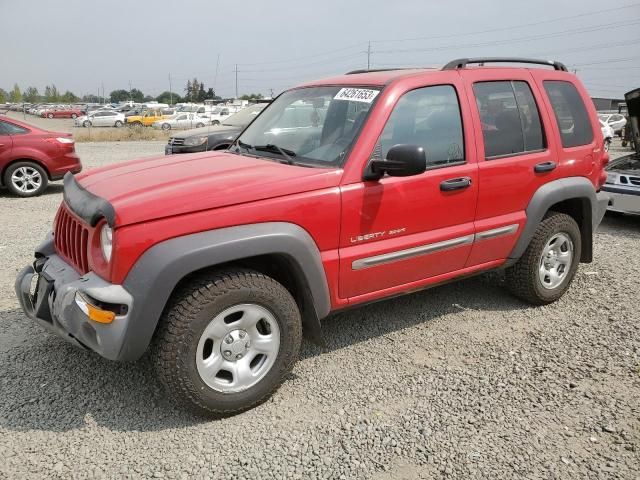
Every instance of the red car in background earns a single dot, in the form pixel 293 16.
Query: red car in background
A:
pixel 30 157
pixel 63 113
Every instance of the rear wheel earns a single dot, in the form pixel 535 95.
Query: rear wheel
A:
pixel 547 267
pixel 215 122
pixel 74 116
pixel 50 115
pixel 199 125
pixel 118 124
pixel 166 126
pixel 227 341
pixel 86 124
pixel 26 179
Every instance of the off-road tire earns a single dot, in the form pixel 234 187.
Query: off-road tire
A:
pixel 522 279
pixel 191 308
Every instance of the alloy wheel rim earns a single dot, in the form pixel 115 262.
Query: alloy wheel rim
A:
pixel 555 261
pixel 26 179
pixel 238 348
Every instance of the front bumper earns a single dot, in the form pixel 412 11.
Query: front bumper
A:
pixel 603 201
pixel 51 303
pixel 623 199
pixel 176 149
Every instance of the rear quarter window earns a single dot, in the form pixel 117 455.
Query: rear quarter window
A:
pixel 570 112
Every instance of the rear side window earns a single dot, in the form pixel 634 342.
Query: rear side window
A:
pixel 510 118
pixel 570 112
pixel 11 129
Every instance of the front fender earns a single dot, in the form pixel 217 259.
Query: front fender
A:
pixel 154 276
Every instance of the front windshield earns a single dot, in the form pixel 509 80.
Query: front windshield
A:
pixel 244 116
pixel 315 125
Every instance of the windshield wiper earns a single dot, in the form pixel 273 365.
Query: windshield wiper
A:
pixel 246 146
pixel 270 147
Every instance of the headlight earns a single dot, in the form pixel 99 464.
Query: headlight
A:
pixel 612 178
pixel 106 242
pixel 194 141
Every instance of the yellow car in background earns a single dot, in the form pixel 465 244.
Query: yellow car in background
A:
pixel 148 117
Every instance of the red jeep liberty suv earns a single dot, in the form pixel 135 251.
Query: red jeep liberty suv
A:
pixel 342 191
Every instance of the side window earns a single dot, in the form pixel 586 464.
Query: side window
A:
pixel 11 129
pixel 428 117
pixel 510 118
pixel 570 112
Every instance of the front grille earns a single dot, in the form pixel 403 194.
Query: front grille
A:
pixel 176 141
pixel 71 237
pixel 634 181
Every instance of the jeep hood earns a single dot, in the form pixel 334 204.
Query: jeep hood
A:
pixel 157 187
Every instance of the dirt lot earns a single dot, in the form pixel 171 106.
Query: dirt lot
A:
pixel 459 381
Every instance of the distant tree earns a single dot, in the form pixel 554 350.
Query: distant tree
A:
pixel 195 91
pixel 251 96
pixel 3 96
pixel 148 98
pixel 167 97
pixel 90 98
pixel 51 94
pixel 69 97
pixel 137 96
pixel 119 96
pixel 211 95
pixel 15 96
pixel 31 95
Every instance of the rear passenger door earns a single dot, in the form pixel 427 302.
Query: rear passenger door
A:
pixel 6 144
pixel 515 155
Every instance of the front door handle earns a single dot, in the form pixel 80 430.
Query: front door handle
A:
pixel 545 167
pixel 455 184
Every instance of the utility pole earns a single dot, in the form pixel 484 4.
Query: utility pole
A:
pixel 236 80
pixel 369 56
pixel 170 92
pixel 215 79
pixel 103 99
pixel 271 91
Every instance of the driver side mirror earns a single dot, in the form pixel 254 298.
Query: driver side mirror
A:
pixel 402 161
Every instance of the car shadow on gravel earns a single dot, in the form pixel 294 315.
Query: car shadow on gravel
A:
pixel 49 385
pixel 52 189
pixel 482 293
pixel 619 224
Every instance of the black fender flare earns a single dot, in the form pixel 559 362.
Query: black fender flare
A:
pixel 552 193
pixel 156 273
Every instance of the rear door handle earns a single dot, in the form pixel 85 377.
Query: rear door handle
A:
pixel 545 167
pixel 455 184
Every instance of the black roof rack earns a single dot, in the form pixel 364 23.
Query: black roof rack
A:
pixel 364 70
pixel 463 62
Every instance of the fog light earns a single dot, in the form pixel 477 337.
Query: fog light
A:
pixel 94 313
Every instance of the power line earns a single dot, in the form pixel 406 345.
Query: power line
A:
pixel 512 27
pixel 513 40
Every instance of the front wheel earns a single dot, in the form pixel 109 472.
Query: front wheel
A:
pixel 50 115
pixel 199 125
pixel 215 122
pixel 118 124
pixel 86 124
pixel 547 267
pixel 166 126
pixel 74 116
pixel 227 341
pixel 607 144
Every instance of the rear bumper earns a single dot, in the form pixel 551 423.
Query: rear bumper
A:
pixel 52 303
pixel 69 162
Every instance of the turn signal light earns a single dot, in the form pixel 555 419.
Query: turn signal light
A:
pixel 96 314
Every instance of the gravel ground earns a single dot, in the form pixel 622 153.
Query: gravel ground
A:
pixel 461 381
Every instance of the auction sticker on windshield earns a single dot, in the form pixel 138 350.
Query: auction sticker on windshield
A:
pixel 356 94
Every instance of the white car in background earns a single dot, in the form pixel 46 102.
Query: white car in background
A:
pixel 221 112
pixel 181 121
pixel 101 118
pixel 607 133
pixel 616 121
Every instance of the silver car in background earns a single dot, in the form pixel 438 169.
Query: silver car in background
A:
pixel 101 118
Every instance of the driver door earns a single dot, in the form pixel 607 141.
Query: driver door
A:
pixel 400 230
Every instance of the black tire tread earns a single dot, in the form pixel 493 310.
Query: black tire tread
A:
pixel 520 277
pixel 173 330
